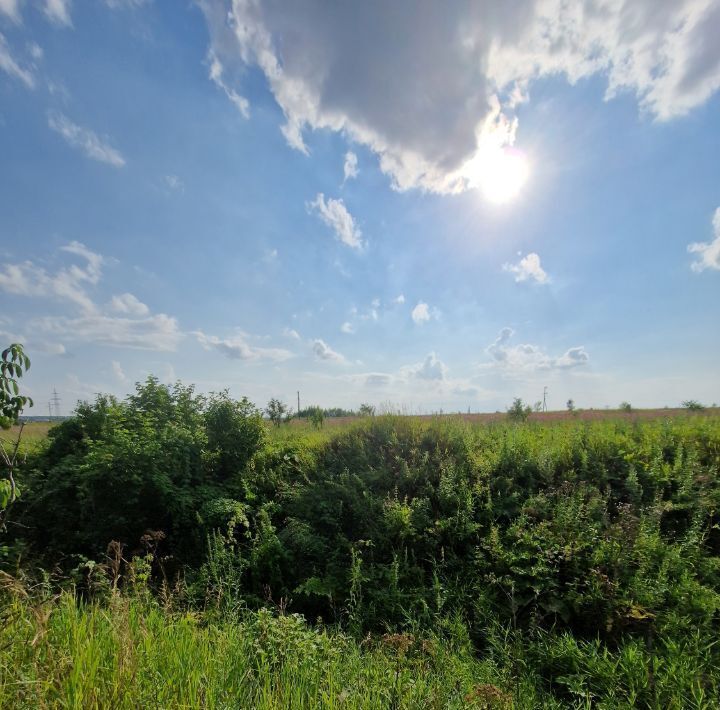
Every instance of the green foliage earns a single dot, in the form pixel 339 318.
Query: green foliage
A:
pixel 570 405
pixel 693 405
pixel 317 417
pixel 582 558
pixel 14 363
pixel 277 411
pixel 518 411
pixel 366 410
pixel 625 407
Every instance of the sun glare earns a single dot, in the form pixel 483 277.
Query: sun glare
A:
pixel 499 173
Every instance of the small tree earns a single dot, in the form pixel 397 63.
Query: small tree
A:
pixel 317 417
pixel 693 405
pixel 276 410
pixel 366 410
pixel 537 407
pixel 625 407
pixel 14 363
pixel 518 412
pixel 570 405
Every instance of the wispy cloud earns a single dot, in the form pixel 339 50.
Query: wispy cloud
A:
pixel 58 12
pixel 68 283
pixel 422 313
pixel 11 67
pixel 237 348
pixel 216 76
pixel 336 216
pixel 85 140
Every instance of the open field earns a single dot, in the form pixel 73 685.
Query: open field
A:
pixel 205 559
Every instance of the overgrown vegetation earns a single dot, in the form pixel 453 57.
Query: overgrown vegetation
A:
pixel 437 564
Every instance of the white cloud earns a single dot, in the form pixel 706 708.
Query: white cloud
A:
pixel 451 76
pixel 347 327
pixel 291 333
pixel 128 304
pixel 11 67
pixel 400 299
pixel 157 332
pixel 58 12
pixel 528 269
pixel 216 76
pixel 237 348
pixel 324 352
pixel 422 313
pixel 335 215
pixel 148 332
pixel 118 371
pixel 708 252
pixel 350 166
pixel 28 279
pixel 85 140
pixel 431 368
pixel 174 183
pixel 527 357
pixel 11 8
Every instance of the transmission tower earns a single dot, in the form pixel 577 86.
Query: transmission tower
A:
pixel 545 399
pixel 55 403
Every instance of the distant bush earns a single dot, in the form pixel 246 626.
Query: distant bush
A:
pixel 518 411
pixel 693 405
pixel 625 407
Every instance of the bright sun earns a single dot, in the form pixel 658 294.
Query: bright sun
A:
pixel 499 173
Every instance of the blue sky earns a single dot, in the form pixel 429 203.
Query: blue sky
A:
pixel 438 206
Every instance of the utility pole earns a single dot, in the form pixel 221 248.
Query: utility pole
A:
pixel 298 402
pixel 545 399
pixel 55 403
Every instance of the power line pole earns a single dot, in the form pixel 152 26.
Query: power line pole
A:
pixel 298 401
pixel 55 402
pixel 545 399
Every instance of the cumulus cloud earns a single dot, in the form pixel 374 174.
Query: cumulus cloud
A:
pixel 128 304
pixel 291 333
pixel 58 12
pixel 324 352
pixel 85 140
pixel 11 67
pixel 347 327
pixel 422 313
pixel 68 283
pixel 350 166
pixel 431 368
pixel 335 215
pixel 708 252
pixel 237 348
pixel 453 73
pixel 528 269
pixel 527 357
pixel 400 299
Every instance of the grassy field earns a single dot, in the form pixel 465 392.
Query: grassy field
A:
pixel 171 553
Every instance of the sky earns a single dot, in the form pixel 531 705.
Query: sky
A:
pixel 423 206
